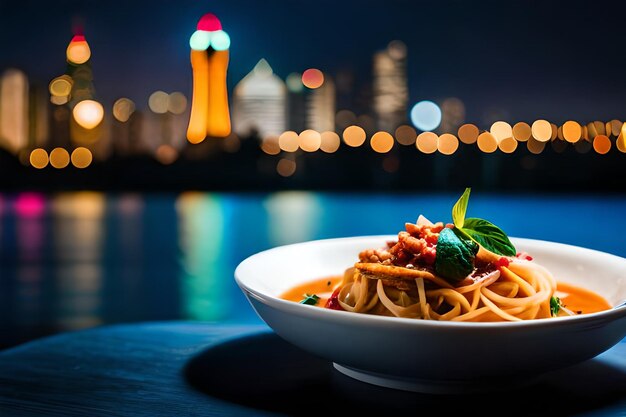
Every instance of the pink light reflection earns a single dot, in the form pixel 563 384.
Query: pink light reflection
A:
pixel 29 205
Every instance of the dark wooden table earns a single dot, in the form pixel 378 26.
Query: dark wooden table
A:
pixel 202 369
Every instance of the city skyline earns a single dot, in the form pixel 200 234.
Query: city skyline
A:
pixel 511 76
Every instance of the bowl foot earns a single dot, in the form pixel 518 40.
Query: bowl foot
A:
pixel 431 386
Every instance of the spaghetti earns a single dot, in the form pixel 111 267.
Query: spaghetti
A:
pixel 400 280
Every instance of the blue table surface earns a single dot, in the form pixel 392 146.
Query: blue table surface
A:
pixel 198 369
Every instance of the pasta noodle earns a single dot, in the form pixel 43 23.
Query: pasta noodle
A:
pixel 500 295
pixel 400 281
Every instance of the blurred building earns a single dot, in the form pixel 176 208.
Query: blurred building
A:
pixel 260 103
pixel 14 110
pixel 321 107
pixel 452 115
pixel 296 103
pixel 390 86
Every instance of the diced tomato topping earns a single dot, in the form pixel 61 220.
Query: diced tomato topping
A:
pixel 431 239
pixel 502 262
pixel 429 255
pixel 333 301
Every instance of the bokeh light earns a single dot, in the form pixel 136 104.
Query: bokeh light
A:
pixel 447 144
pixel 620 143
pixel 330 142
pixel 354 136
pixel 487 142
pixel 200 40
pixel 88 113
pixel 555 131
pixel 406 135
pixel 508 145
pixel 535 146
pixel 59 158
pixel 81 157
pixel 381 142
pixel 294 82
pixel 616 127
pixel 600 127
pixel 602 144
pixel 286 167
pixel 61 86
pixel 312 78
pixel 166 154
pixel 59 100
pixel 501 130
pixel 572 131
pixel 426 142
pixel 209 22
pixel 270 145
pixel 288 141
pixel 541 130
pixel 159 102
pixel 220 41
pixel 310 140
pixel 426 115
pixel 522 131
pixel 123 108
pixel 468 133
pixel 231 143
pixel 177 103
pixel 397 49
pixel 78 51
pixel 39 158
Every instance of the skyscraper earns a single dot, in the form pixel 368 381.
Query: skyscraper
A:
pixel 259 103
pixel 390 86
pixel 320 107
pixel 13 110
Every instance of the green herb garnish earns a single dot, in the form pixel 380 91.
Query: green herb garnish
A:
pixel 481 231
pixel 455 256
pixel 457 248
pixel 555 305
pixel 310 299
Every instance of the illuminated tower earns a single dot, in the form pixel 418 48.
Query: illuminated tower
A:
pixel 74 93
pixel 259 103
pixel 209 62
pixel 390 86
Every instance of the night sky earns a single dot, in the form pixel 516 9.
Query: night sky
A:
pixel 510 60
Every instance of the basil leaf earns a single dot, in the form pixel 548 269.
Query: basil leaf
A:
pixel 555 305
pixel 455 258
pixel 460 208
pixel 310 299
pixel 490 236
pixel 466 239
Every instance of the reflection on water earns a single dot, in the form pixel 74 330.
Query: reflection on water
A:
pixel 292 217
pixel 78 236
pixel 76 260
pixel 202 219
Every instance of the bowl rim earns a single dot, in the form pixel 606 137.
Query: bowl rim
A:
pixel 316 312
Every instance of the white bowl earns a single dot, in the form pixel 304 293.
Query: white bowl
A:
pixel 435 356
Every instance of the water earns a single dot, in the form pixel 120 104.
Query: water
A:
pixel 70 261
